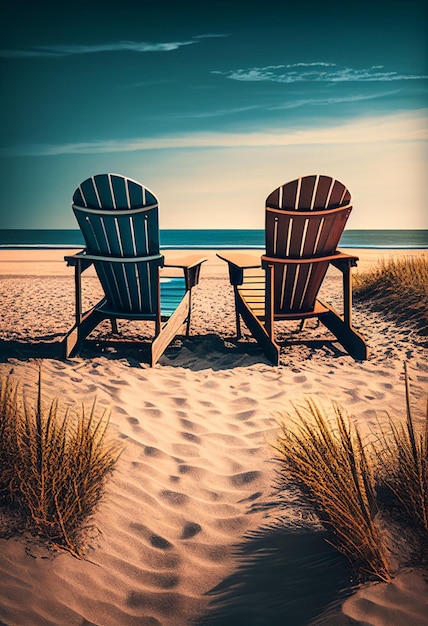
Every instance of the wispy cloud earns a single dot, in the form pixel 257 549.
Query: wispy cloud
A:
pixel 294 103
pixel 290 104
pixel 211 36
pixel 61 50
pixel 217 112
pixel 395 127
pixel 316 72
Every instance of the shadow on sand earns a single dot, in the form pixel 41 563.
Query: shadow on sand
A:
pixel 198 352
pixel 195 352
pixel 285 577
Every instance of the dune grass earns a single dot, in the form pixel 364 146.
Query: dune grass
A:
pixel 326 457
pixel 399 288
pixel 346 481
pixel 403 467
pixel 53 463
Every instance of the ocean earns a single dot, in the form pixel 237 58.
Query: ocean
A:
pixel 215 239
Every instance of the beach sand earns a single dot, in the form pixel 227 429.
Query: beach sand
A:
pixel 190 529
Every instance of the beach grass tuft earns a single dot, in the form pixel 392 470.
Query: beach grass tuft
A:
pixel 403 466
pixel 398 287
pixel 346 481
pixel 54 463
pixel 327 459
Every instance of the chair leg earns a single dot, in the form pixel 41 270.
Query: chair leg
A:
pixel 237 318
pixel 350 339
pixel 114 326
pixel 79 332
pixel 189 314
pixel 170 329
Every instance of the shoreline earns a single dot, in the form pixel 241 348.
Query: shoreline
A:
pixel 50 262
pixel 190 527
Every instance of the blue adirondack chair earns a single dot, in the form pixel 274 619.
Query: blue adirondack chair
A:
pixel 119 220
pixel 305 219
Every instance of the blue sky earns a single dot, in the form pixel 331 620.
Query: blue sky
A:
pixel 213 104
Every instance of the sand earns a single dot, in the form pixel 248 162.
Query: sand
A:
pixel 191 529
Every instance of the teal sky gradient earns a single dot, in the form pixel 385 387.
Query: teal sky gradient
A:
pixel 214 104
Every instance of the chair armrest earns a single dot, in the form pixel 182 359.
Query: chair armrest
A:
pixel 238 262
pixel 79 261
pixel 242 260
pixel 191 266
pixel 344 261
pixel 190 260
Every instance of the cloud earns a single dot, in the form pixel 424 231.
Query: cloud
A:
pixel 293 104
pixel 389 128
pixel 316 72
pixel 211 36
pixel 121 46
pixel 217 113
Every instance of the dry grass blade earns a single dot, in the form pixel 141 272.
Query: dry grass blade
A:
pixel 327 459
pixel 54 463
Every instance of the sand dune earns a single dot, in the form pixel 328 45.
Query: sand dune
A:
pixel 191 529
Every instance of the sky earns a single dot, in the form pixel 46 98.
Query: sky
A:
pixel 212 105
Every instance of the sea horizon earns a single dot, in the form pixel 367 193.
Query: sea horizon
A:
pixel 176 239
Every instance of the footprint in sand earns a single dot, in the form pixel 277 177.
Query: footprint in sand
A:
pixel 153 413
pixel 245 415
pixel 196 472
pixel 174 497
pixel 159 542
pixel 164 581
pixel 191 437
pixel 244 403
pixel 154 452
pixel 178 401
pixel 244 478
pixel 188 424
pixel 190 529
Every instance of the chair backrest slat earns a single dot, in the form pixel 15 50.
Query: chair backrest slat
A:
pixel 287 195
pixel 306 193
pixel 322 195
pixel 87 194
pixel 339 195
